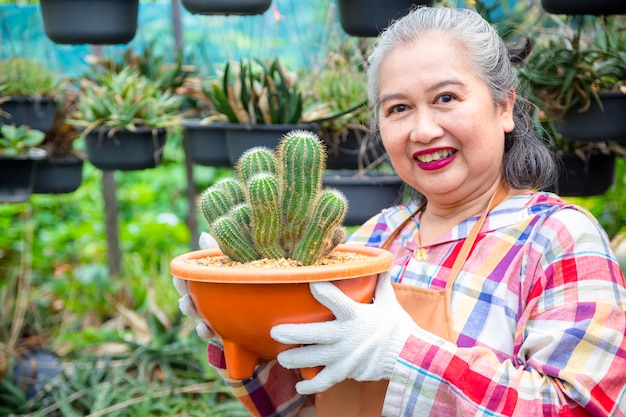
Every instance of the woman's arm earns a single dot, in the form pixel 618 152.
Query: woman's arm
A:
pixel 570 347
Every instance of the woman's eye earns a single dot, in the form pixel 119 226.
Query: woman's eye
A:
pixel 398 108
pixel 444 98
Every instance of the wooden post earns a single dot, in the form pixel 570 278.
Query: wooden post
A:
pixel 109 189
pixel 192 222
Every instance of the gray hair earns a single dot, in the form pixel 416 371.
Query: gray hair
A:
pixel 528 162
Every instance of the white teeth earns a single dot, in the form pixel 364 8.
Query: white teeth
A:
pixel 435 156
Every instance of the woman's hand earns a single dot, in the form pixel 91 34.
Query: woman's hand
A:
pixel 185 303
pixel 362 343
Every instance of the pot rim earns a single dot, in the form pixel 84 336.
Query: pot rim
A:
pixel 380 260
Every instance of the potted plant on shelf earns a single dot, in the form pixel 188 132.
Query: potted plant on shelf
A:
pixel 18 161
pixel 260 101
pixel 29 93
pixel 575 75
pixel 125 119
pixel 278 230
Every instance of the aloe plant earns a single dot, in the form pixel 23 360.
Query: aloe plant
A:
pixel 256 92
pixel 29 78
pixel 125 100
pixel 276 207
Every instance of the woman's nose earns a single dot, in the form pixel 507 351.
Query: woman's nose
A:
pixel 425 126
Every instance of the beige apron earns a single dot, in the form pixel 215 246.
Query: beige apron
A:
pixel 430 309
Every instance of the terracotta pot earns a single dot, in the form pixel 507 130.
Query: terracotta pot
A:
pixel 243 304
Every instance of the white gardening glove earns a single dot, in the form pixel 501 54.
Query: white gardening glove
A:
pixel 185 303
pixel 362 343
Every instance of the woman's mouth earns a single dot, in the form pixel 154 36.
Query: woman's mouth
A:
pixel 431 160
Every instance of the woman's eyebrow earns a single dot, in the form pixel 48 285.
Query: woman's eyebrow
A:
pixel 434 87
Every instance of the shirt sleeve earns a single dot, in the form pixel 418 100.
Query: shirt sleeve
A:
pixel 569 353
pixel 270 392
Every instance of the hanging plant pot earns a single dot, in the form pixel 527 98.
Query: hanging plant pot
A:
pixel 17 176
pixel 353 149
pixel 367 194
pixel 607 124
pixel 58 175
pixel 243 304
pixel 574 7
pixel 241 137
pixel 90 22
pixel 206 142
pixel 367 18
pixel 125 150
pixel 38 113
pixel 580 177
pixel 227 7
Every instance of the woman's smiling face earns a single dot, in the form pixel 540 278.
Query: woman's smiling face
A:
pixel 438 121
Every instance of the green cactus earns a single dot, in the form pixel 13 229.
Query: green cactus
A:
pixel 264 194
pixel 318 238
pixel 214 203
pixel 276 207
pixel 300 186
pixel 232 241
pixel 255 160
pixel 233 188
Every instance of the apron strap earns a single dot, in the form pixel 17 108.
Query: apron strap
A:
pixel 468 244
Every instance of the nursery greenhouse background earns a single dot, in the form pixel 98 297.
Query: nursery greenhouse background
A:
pixel 89 317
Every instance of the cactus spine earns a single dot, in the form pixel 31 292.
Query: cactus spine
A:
pixel 276 207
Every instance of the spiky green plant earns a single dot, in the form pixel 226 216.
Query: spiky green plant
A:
pixel 276 207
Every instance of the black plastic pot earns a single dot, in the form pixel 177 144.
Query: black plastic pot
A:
pixel 367 18
pixel 354 148
pixel 91 21
pixel 17 176
pixel 591 176
pixel 597 124
pixel 227 7
pixel 367 194
pixel 206 142
pixel 37 113
pixel 576 7
pixel 241 137
pixel 58 175
pixel 125 150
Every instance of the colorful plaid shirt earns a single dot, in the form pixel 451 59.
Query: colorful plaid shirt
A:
pixel 539 307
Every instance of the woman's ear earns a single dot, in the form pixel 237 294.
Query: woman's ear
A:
pixel 506 112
